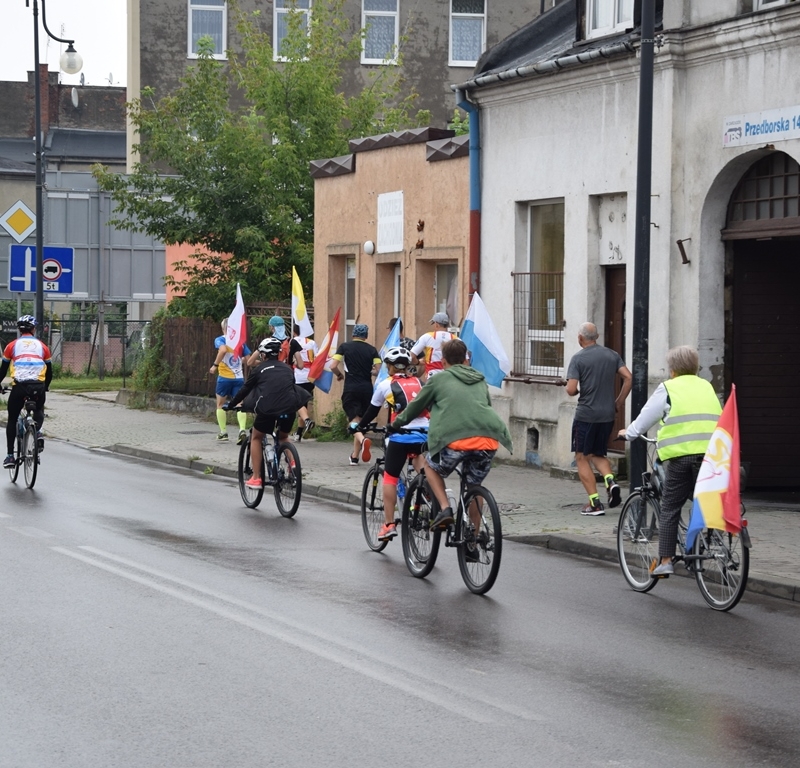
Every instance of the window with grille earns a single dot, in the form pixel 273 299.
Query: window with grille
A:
pixel 208 18
pixel 379 18
pixel 280 27
pixel 539 296
pixel 606 17
pixel 467 32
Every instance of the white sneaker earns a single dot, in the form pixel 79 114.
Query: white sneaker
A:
pixel 663 569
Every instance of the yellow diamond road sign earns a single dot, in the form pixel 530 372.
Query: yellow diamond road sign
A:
pixel 19 221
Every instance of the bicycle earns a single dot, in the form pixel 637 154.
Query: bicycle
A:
pixel 280 469
pixel 26 445
pixel 372 508
pixel 479 551
pixel 719 561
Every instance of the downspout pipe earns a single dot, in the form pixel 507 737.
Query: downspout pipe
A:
pixel 474 189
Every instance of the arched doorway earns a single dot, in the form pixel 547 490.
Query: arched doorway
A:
pixel 763 229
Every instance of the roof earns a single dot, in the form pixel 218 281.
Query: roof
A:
pixel 18 150
pixel 10 167
pixel 77 144
pixel 547 45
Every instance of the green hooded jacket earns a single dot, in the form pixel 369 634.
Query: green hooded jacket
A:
pixel 460 407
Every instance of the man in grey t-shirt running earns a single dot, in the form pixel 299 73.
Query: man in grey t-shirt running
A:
pixel 592 373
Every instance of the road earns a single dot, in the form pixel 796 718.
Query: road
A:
pixel 150 619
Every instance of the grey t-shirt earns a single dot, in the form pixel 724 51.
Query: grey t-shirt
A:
pixel 595 368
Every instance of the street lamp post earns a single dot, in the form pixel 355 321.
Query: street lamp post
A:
pixel 71 63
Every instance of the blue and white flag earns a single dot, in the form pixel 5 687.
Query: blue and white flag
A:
pixel 483 342
pixel 392 340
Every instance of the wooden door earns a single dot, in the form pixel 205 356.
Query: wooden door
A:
pixel 766 362
pixel 614 336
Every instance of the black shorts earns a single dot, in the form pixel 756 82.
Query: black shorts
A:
pixel 266 424
pixel 356 402
pixel 591 439
pixel 308 386
pixel 397 454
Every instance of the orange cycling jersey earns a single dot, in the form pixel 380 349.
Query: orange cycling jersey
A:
pixel 28 357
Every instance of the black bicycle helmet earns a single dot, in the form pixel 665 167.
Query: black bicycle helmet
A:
pixel 270 347
pixel 398 357
pixel 26 323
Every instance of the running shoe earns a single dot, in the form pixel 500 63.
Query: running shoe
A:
pixel 366 454
pixel 387 532
pixel 594 510
pixel 40 441
pixel 242 437
pixel 8 462
pixel 614 494
pixel 254 482
pixel 354 461
pixel 222 437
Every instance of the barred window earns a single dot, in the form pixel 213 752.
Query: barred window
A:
pixel 380 20
pixel 539 296
pixel 467 31
pixel 208 18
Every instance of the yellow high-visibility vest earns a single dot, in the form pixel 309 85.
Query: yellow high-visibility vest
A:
pixel 693 415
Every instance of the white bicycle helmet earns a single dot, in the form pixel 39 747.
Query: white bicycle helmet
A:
pixel 270 347
pixel 398 357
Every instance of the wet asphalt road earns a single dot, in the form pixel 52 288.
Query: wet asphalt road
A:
pixel 150 619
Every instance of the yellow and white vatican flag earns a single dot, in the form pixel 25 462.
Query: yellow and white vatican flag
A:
pixel 299 313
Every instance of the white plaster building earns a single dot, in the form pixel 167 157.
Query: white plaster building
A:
pixel 558 105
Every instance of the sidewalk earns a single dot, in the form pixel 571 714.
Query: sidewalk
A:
pixel 536 508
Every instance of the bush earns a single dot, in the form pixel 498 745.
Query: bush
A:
pixel 334 427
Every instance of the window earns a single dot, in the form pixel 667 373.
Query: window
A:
pixel 467 32
pixel 605 17
pixel 379 19
pixel 447 291
pixel 349 298
pixel 283 10
pixel 539 296
pixel 208 18
pixel 763 4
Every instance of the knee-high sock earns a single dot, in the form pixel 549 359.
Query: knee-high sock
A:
pixel 222 420
pixel 241 417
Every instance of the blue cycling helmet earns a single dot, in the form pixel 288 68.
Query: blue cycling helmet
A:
pixel 26 323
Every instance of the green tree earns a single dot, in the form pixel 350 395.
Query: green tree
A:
pixel 238 181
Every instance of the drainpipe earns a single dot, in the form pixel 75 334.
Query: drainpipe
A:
pixel 474 190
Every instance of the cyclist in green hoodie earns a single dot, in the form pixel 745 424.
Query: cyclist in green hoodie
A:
pixel 463 426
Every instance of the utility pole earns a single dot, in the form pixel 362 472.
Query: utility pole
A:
pixel 641 274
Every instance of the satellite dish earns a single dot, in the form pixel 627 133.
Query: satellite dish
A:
pixel 75 99
pixel 110 78
pixel 83 79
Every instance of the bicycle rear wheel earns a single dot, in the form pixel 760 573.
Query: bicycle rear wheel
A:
pixel 480 549
pixel 30 456
pixel 722 571
pixel 637 540
pixel 250 496
pixel 289 483
pixel 420 544
pixel 13 472
pixel 372 508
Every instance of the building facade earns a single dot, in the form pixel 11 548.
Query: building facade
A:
pixel 558 105
pixel 391 234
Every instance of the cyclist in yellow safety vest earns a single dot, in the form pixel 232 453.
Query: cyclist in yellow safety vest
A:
pixel 689 409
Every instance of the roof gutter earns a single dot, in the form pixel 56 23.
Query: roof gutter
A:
pixel 474 189
pixel 549 66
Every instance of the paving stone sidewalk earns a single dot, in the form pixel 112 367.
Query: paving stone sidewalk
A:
pixel 537 508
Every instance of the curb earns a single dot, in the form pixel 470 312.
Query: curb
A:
pixel 563 543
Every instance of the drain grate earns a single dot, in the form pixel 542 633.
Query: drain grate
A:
pixel 197 432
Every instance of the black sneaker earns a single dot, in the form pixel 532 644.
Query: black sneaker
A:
pixel 8 462
pixel 443 519
pixel 595 510
pixel 354 461
pixel 614 494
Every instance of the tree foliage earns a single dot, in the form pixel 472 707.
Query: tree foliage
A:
pixel 235 183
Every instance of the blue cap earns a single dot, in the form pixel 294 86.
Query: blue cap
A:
pixel 360 331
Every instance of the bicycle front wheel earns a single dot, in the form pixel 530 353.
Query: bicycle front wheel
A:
pixel 480 544
pixel 250 496
pixel 372 508
pixel 13 472
pixel 30 456
pixel 722 568
pixel 289 482
pixel 637 540
pixel 420 544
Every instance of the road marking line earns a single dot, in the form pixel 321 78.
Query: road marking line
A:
pixel 29 530
pixel 350 657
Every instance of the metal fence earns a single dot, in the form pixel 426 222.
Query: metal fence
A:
pixel 108 346
pixel 538 324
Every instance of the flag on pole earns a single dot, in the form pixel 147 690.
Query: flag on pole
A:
pixel 320 371
pixel 236 330
pixel 299 312
pixel 392 340
pixel 717 501
pixel 483 342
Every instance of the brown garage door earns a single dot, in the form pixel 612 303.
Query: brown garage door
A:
pixel 766 358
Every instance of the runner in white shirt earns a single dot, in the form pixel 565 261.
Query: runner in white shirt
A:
pixel 427 351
